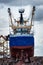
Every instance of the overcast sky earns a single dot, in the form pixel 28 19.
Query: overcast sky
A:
pixel 21 2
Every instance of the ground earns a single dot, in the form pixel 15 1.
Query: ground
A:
pixel 34 61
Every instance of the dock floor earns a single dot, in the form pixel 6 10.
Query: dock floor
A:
pixel 34 61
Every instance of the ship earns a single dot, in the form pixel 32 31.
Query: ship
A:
pixel 21 45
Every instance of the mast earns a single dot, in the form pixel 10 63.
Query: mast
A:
pixel 10 15
pixel 32 13
pixel 21 11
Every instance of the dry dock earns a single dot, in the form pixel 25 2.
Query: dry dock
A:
pixel 34 61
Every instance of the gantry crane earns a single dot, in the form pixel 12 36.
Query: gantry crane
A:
pixel 21 21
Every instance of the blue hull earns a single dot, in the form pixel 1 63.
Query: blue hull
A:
pixel 22 41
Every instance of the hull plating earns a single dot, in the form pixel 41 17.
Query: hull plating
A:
pixel 22 43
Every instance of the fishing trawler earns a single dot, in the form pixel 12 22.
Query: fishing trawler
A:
pixel 22 40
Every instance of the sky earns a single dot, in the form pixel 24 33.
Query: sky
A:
pixel 21 2
pixel 27 5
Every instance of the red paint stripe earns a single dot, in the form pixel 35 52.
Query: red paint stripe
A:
pixel 21 47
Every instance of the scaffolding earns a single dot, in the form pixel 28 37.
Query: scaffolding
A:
pixel 4 47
